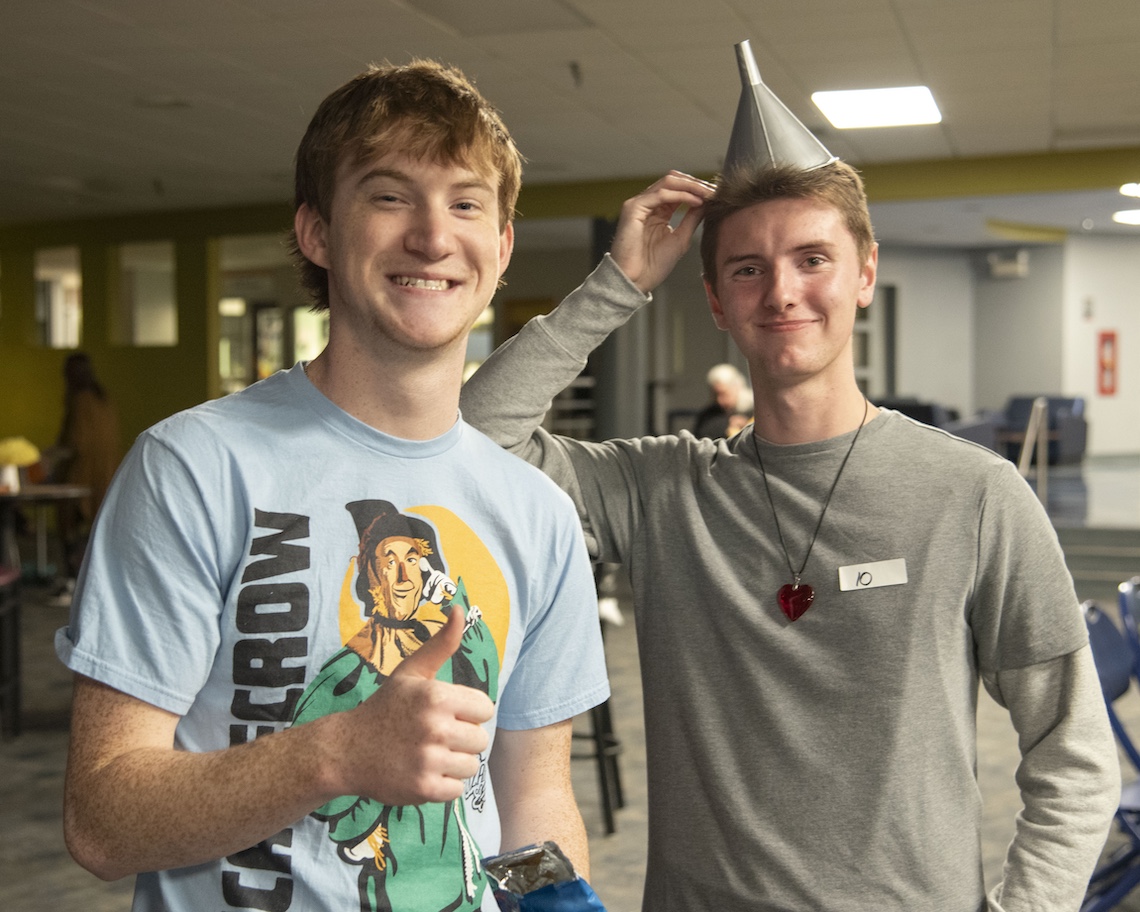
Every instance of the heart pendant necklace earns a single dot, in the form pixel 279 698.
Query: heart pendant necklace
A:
pixel 796 597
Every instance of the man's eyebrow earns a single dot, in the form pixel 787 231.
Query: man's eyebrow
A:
pixel 381 173
pixel 740 258
pixel 799 248
pixel 821 244
pixel 402 177
pixel 474 183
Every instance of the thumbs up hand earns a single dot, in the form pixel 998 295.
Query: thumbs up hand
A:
pixel 416 739
pixel 426 661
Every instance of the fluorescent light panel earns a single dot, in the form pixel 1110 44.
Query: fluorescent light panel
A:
pixel 1128 216
pixel 859 108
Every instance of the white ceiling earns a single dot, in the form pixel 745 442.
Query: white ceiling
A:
pixel 118 106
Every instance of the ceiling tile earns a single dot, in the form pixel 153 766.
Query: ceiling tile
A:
pixel 653 84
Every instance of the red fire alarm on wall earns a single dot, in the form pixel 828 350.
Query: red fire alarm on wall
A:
pixel 1106 361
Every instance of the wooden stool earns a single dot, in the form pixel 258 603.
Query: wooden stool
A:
pixel 604 744
pixel 605 748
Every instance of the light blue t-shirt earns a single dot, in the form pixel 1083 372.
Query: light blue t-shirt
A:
pixel 233 576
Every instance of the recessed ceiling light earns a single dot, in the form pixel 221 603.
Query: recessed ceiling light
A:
pixel 901 107
pixel 1127 217
pixel 1130 189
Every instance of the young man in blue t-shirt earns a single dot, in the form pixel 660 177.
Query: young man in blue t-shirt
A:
pixel 277 704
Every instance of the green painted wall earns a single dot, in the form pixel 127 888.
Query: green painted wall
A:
pixel 148 384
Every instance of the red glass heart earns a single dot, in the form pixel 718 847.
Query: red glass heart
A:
pixel 795 600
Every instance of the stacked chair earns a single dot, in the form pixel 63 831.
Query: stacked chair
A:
pixel 1117 656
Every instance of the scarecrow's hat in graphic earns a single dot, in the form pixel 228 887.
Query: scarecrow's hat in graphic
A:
pixel 377 520
pixel 765 132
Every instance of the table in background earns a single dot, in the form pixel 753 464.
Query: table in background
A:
pixel 40 498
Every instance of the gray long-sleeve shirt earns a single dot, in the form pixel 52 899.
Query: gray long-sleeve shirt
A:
pixel 828 763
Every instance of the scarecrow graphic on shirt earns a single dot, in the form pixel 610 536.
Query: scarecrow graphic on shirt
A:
pixel 416 858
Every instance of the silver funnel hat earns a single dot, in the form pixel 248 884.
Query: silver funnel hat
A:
pixel 765 131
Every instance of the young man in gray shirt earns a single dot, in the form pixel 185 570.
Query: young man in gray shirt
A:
pixel 818 598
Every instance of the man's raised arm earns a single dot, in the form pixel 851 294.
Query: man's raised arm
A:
pixel 508 396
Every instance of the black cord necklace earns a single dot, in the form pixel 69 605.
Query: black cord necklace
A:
pixel 795 597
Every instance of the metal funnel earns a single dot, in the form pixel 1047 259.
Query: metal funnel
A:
pixel 765 132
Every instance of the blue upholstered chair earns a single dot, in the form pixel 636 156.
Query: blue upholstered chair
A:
pixel 1119 873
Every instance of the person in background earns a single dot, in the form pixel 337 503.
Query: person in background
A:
pixel 329 639
pixel 87 453
pixel 738 421
pixel 818 598
pixel 731 399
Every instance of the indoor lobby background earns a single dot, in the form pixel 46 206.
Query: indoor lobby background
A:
pixel 145 184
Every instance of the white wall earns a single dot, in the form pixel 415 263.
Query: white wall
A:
pixel 934 324
pixel 1101 291
pixel 1018 330
pixel 694 343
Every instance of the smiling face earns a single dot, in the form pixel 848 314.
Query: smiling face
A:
pixel 427 110
pixel 414 249
pixel 397 567
pixel 789 280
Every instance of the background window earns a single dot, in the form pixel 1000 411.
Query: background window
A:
pixel 144 310
pixel 266 320
pixel 59 297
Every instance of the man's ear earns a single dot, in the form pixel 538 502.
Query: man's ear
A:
pixel 506 247
pixel 714 306
pixel 312 235
pixel 867 277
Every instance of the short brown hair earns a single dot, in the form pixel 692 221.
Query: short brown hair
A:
pixel 425 109
pixel 835 184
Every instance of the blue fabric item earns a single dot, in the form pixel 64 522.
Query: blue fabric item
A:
pixel 568 896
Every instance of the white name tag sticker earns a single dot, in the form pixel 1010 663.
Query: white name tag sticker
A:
pixel 873 575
